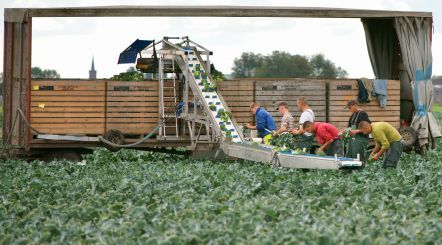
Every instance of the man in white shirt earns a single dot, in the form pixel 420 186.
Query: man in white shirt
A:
pixel 303 139
pixel 306 115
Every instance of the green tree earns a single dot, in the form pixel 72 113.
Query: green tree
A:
pixel 325 68
pixel 283 64
pixel 437 80
pixel 131 74
pixel 216 75
pixel 37 72
pixel 246 65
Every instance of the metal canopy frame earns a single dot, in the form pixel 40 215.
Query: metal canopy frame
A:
pixel 18 42
pixel 16 14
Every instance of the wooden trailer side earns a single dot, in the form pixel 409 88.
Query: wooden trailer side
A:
pixel 83 107
pixel 269 93
pixel 327 98
pixel 347 89
pixel 239 95
pixel 79 107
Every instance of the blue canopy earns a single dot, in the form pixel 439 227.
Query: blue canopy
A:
pixel 129 55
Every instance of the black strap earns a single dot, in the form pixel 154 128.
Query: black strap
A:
pixel 310 111
pixel 355 119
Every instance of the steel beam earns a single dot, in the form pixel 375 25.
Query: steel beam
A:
pixel 206 11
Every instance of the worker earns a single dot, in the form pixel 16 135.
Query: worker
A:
pixel 388 140
pixel 287 121
pixel 358 142
pixel 306 115
pixel 303 139
pixel 327 136
pixel 265 124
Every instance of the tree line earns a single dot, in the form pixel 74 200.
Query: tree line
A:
pixel 284 64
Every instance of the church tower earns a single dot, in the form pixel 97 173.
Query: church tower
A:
pixel 93 72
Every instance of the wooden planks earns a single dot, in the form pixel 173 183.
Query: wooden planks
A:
pixel 239 95
pixel 92 107
pixel 68 106
pixel 135 115
pixel 343 90
pixel 270 92
pixel 82 107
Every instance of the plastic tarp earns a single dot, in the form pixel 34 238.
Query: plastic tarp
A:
pixel 414 34
pixel 382 47
pixel 129 55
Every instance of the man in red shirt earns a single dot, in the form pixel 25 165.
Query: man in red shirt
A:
pixel 327 136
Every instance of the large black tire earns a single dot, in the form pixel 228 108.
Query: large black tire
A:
pixel 72 156
pixel 409 137
pixel 116 137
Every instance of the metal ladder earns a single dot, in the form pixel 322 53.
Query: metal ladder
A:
pixel 169 103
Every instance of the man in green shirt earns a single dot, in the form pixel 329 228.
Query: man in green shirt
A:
pixel 387 139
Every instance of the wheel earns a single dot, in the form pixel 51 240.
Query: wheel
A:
pixel 116 137
pixel 409 137
pixel 71 156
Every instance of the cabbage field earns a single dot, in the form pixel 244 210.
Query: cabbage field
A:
pixel 134 197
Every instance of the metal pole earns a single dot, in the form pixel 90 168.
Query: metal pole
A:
pixel 20 104
pixel 161 95
pixel 5 27
pixel 186 87
pixel 28 84
pixel 208 64
pixel 11 77
pixel 195 96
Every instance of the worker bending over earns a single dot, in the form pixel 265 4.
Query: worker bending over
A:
pixel 264 123
pixel 358 142
pixel 287 121
pixel 388 140
pixel 327 136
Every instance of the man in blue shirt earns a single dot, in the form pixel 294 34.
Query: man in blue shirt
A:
pixel 265 123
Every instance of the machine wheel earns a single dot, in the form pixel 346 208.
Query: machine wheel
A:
pixel 72 156
pixel 116 137
pixel 409 137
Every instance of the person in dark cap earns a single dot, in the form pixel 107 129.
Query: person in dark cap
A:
pixel 287 121
pixel 358 142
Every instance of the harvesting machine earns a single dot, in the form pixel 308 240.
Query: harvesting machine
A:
pixel 201 105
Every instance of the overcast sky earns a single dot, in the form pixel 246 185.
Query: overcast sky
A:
pixel 68 44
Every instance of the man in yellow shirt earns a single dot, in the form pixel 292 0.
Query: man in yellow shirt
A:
pixel 387 139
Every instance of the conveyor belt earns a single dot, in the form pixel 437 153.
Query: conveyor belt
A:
pixel 265 154
pixel 208 98
pixel 237 147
